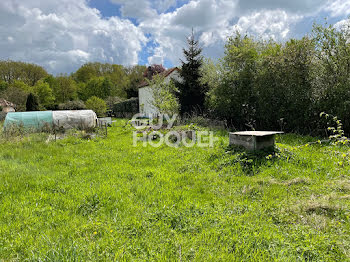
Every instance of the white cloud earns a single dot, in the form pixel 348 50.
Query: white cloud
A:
pixel 163 5
pixel 207 17
pixel 214 21
pixel 303 7
pixel 136 8
pixel 268 24
pixel 338 7
pixel 342 24
pixel 62 36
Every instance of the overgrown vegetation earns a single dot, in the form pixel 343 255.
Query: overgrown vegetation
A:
pixel 103 199
pixel 269 85
pixel 126 109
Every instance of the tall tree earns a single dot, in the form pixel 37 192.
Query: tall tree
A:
pixel 11 71
pixel 32 103
pixel 191 92
pixel 135 76
pixel 64 88
pixel 44 94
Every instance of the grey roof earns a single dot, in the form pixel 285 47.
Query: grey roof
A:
pixel 257 133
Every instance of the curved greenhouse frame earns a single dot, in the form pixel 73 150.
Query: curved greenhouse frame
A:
pixel 45 120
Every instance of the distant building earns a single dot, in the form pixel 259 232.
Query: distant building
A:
pixel 7 106
pixel 146 95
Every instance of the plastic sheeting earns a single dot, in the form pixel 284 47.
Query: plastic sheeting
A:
pixel 80 119
pixel 29 120
pixel 39 120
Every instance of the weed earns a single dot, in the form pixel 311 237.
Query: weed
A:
pixel 103 199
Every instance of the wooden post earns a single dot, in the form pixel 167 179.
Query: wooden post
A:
pixel 54 131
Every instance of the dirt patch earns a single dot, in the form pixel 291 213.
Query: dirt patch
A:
pixel 321 209
pixel 297 181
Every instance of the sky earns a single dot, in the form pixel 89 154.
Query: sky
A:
pixel 62 35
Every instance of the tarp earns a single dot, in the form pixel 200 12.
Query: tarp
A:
pixel 29 120
pixel 80 119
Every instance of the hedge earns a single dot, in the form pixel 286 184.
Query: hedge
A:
pixel 126 109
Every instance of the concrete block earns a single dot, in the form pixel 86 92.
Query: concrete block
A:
pixel 254 140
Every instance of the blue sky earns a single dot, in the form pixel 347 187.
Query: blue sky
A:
pixel 61 35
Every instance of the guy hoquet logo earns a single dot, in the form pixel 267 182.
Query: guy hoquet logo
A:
pixel 156 132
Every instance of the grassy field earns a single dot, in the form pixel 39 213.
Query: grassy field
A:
pixel 104 199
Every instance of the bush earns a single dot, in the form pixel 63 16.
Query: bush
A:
pixel 17 96
pixel 2 115
pixel 97 104
pixel 127 108
pixel 72 105
pixel 266 85
pixel 111 100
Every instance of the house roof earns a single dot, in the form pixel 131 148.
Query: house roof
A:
pixel 5 103
pixel 166 73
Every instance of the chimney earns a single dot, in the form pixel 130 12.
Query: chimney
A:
pixel 149 73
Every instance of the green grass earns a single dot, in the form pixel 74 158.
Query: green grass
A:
pixel 104 199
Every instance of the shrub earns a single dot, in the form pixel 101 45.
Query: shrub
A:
pixel 97 104
pixel 127 108
pixel 17 96
pixel 266 85
pixel 2 115
pixel 111 100
pixel 72 105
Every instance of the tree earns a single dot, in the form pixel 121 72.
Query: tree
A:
pixel 3 85
pixel 261 82
pixel 135 77
pixel 97 105
pixel 115 76
pixel 64 88
pixel 44 93
pixel 211 77
pixel 72 105
pixel 153 70
pixel 21 85
pixel 11 71
pixel 97 86
pixel 86 72
pixel 17 96
pixel 119 81
pixel 32 103
pixel 190 91
pixel 163 96
pixel 332 70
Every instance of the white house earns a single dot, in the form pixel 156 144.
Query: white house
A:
pixel 146 95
